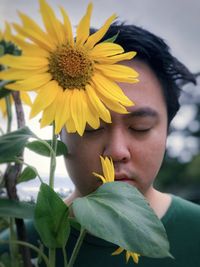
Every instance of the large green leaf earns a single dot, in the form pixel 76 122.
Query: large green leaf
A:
pixel 40 148
pixel 118 213
pixel 51 218
pixel 12 144
pixel 15 209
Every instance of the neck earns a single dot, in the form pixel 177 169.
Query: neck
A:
pixel 158 201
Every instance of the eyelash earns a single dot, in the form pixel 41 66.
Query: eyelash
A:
pixel 140 130
pixel 93 130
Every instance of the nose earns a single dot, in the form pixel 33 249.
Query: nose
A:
pixel 117 146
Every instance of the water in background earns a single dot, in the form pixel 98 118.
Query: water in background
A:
pixel 27 191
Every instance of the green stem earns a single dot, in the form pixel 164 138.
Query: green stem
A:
pixel 53 158
pixel 77 247
pixel 22 243
pixel 9 113
pixel 12 245
pixel 52 257
pixel 64 256
pixel 1 131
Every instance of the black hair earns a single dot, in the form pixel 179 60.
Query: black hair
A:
pixel 153 50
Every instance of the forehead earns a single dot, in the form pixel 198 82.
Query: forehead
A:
pixel 147 92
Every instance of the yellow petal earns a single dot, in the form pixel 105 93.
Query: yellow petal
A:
pixel 63 111
pixel 48 115
pixel 92 118
pixel 119 73
pixel 22 62
pixel 29 49
pixel 41 40
pixel 99 176
pixel 105 166
pixel 135 257
pixel 97 36
pixel 3 106
pixel 83 28
pixel 117 251
pixel 105 50
pixel 70 126
pixel 15 74
pixel 77 111
pixel 31 83
pixel 113 105
pixel 110 89
pixel 111 171
pixel 96 103
pixel 128 254
pixel 48 93
pixel 7 33
pixel 67 27
pixel 30 23
pixel 114 59
pixel 52 24
pixel 25 98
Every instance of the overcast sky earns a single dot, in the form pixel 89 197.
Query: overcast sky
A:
pixel 177 21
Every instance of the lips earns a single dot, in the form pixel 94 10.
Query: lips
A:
pixel 122 177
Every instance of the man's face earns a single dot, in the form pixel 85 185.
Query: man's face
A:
pixel 135 141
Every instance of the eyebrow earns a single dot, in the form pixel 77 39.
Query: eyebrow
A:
pixel 143 112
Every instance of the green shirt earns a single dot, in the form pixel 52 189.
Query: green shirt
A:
pixel 182 224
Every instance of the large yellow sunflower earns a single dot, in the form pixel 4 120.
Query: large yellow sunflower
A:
pixel 75 80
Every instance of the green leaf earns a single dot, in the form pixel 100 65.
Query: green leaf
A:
pixel 12 144
pixel 15 209
pixel 51 218
pixel 119 213
pixel 41 149
pixel 4 92
pixel 111 39
pixel 28 174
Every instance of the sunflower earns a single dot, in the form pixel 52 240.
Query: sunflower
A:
pixel 24 97
pixel 6 35
pixel 135 256
pixel 75 80
pixel 8 47
pixel 108 170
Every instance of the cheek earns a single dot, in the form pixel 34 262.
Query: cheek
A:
pixel 82 160
pixel 151 156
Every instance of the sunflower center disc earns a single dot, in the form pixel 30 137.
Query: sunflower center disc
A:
pixel 71 67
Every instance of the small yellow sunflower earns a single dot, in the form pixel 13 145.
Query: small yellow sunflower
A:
pixel 135 256
pixel 24 97
pixel 108 170
pixel 6 35
pixel 75 80
pixel 7 40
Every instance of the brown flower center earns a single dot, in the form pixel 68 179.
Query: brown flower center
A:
pixel 71 67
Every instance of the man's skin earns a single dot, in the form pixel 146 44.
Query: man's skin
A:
pixel 136 142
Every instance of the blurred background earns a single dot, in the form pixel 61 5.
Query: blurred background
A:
pixel 178 23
